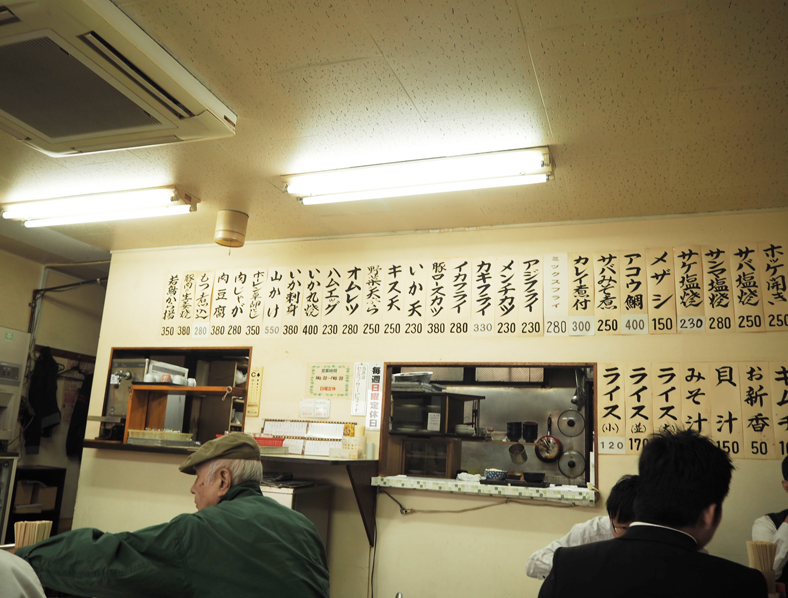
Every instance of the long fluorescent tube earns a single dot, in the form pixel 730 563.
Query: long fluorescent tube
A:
pixel 128 215
pixel 102 207
pixel 436 175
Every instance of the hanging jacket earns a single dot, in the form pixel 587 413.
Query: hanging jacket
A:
pixel 79 419
pixel 42 396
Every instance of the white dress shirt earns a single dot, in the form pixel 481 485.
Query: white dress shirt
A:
pixel 763 530
pixel 593 530
pixel 17 578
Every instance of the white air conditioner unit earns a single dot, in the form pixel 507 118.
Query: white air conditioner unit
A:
pixel 79 76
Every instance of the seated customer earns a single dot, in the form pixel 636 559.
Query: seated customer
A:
pixel 620 513
pixel 17 578
pixel 774 528
pixel 684 477
pixel 238 543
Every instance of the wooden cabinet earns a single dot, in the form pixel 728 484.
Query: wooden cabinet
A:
pixel 432 413
pixel 211 410
pixel 44 477
pixel 431 457
pixel 215 405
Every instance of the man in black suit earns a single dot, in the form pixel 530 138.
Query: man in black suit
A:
pixel 684 477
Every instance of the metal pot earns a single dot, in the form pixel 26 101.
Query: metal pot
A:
pixel 517 453
pixel 548 448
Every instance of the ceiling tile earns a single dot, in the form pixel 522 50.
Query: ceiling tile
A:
pixel 735 42
pixel 456 59
pixel 730 134
pixel 612 84
pixel 562 13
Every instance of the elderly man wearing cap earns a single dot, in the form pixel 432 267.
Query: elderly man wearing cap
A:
pixel 238 543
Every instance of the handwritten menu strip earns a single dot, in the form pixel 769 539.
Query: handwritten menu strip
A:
pixel 661 290
pixel 718 289
pixel 690 313
pixel 531 297
pixel 773 273
pixel 639 406
pixel 688 288
pixel 726 415
pixel 695 398
pixel 778 377
pixel 741 406
pixel 748 300
pixel 607 293
pixel 556 293
pixel 611 409
pixel 507 288
pixel 581 294
pixel 634 292
pixel 756 410
pixel 667 396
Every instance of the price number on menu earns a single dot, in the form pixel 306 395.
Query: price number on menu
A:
pixel 634 324
pixel 692 324
pixel 176 330
pixel 200 330
pixel 612 445
pixel 556 327
pixel 581 326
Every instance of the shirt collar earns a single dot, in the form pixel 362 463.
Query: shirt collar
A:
pixel 643 523
pixel 242 489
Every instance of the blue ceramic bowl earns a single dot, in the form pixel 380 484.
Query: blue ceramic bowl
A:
pixel 494 474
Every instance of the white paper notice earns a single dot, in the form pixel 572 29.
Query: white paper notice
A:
pixel 322 407
pixel 358 404
pixel 306 408
pixel 375 396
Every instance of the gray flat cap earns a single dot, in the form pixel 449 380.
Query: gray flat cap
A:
pixel 235 445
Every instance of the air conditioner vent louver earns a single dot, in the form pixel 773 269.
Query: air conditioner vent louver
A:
pixel 129 69
pixel 64 98
pixel 79 76
pixel 7 17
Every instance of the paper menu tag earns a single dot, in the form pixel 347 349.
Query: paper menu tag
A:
pixel 285 428
pixel 433 422
pixel 320 448
pixel 295 446
pixel 358 404
pixel 325 430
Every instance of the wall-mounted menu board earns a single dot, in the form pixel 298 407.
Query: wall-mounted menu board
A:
pixel 689 289
pixel 742 406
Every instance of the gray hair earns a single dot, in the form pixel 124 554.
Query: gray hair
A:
pixel 241 470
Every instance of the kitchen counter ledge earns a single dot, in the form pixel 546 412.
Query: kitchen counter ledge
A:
pixel 569 495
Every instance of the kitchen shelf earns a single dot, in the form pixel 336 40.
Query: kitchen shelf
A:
pixel 173 389
pixel 575 496
pixel 359 471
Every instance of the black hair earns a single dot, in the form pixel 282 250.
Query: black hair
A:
pixel 681 474
pixel 785 468
pixel 620 503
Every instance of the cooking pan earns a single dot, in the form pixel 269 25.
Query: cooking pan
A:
pixel 548 448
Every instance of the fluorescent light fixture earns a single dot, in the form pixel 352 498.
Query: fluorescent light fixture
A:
pixel 102 207
pixel 421 177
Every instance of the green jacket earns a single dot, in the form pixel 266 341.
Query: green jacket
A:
pixel 247 545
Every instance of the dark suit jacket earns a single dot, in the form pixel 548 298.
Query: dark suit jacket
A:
pixel 648 562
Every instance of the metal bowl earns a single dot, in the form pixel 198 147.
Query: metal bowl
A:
pixel 412 377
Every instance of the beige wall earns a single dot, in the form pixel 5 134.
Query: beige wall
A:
pixel 69 321
pixel 18 279
pixel 475 553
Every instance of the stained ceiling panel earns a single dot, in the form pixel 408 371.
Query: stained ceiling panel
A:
pixel 650 107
